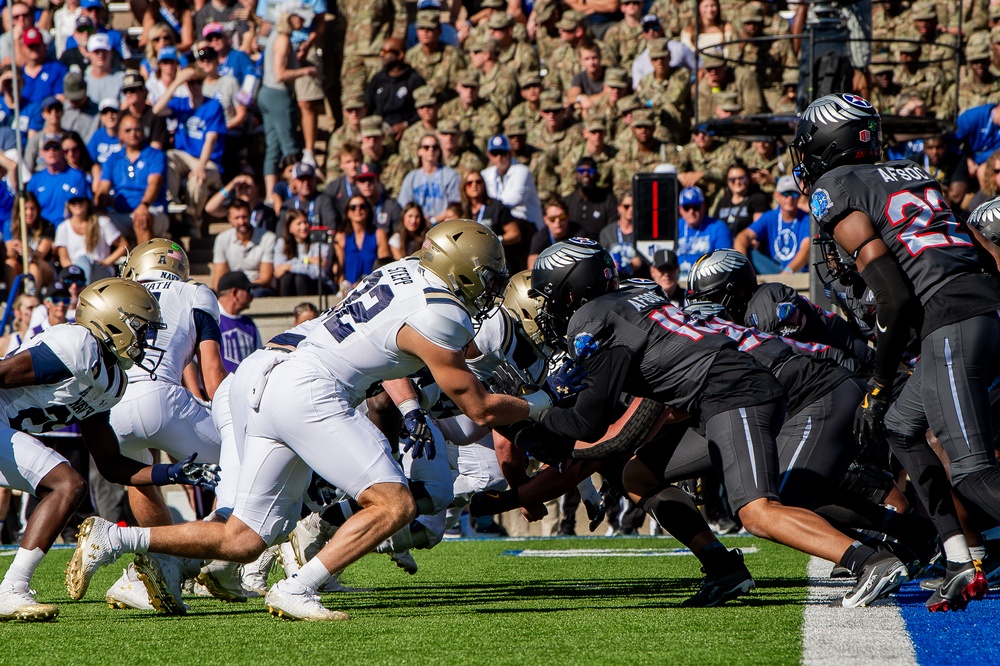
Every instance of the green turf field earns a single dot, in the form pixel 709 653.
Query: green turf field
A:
pixel 468 604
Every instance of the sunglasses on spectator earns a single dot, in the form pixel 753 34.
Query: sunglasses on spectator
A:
pixel 61 300
pixel 586 171
pixel 626 206
pixel 793 194
pixel 356 207
pixel 690 207
pixel 474 182
pixel 499 153
pixel 556 218
pixel 52 146
pixel 162 38
pixel 18 17
pixel 206 54
pixel 86 29
pixel 738 179
pixel 429 146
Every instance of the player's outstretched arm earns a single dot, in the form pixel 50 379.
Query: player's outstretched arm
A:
pixel 17 371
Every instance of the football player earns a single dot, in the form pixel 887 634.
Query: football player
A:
pixel 923 268
pixel 414 312
pixel 157 412
pixel 73 374
pixel 639 342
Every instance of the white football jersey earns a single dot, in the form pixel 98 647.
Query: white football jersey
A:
pixel 96 386
pixel 356 343
pixel 498 343
pixel 178 300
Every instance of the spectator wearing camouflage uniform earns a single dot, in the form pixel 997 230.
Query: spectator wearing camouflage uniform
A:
pixel 667 91
pixel 374 150
pixel 925 79
pixel 616 86
pixel 642 153
pixel 766 60
pixel 623 38
pixel 674 15
pixel 426 102
pixel 518 57
pixel 787 104
pixel 937 46
pixel 496 82
pixel 349 132
pixel 716 77
pixel 366 24
pixel 455 151
pixel 472 113
pixel 541 166
pixel 439 64
pixel 594 146
pixel 529 111
pixel 884 90
pixel 703 163
pixel 481 19
pixel 625 108
pixel 554 135
pixel 564 63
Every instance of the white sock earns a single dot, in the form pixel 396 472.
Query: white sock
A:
pixel 131 539
pixel 978 552
pixel 992 533
pixel 313 574
pixel 18 577
pixel 956 549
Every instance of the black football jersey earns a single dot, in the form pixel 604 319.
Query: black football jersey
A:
pixel 671 359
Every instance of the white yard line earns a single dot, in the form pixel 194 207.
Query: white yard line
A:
pixel 847 636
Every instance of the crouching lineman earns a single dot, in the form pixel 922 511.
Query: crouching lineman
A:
pixel 73 373
pixel 414 312
pixel 157 412
pixel 642 344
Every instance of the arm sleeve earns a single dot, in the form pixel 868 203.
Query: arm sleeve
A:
pixel 48 368
pixel 894 303
pixel 206 327
pixel 590 414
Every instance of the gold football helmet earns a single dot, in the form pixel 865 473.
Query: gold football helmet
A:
pixel 469 258
pixel 120 313
pixel 525 309
pixel 157 259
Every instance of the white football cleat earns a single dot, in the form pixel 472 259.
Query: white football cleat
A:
pixel 255 574
pixel 289 562
pixel 21 605
pixel 404 561
pixel 309 536
pixel 93 551
pixel 128 592
pixel 161 574
pixel 299 603
pixel 223 580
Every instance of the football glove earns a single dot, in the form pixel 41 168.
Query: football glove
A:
pixel 566 382
pixel 187 472
pixel 418 435
pixel 869 426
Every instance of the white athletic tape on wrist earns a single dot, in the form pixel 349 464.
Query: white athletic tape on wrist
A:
pixel 539 402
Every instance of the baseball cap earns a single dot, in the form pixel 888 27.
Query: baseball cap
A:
pixel 596 123
pixel 56 290
pixel 691 196
pixel 353 103
pixel 490 45
pixel 132 80
pixel 786 184
pixel 167 53
pixel 550 100
pixel 303 170
pixel 665 260
pixel 923 11
pixel 628 104
pixel 515 127
pixel 643 118
pixel 447 126
pixel 424 96
pixel 99 41
pixel 571 20
pixel 651 21
pixel 368 170
pixel 32 37
pixel 234 280
pixel 72 273
pixel 372 126
pixel 429 19
pixel 498 143
pixel 615 77
pixel 49 138
pixel 658 48
pixel 469 78
pixel 712 62
pixel 85 23
pixel 751 13
pixel 994 11
pixel 500 21
pixel 91 4
pixel 109 103
pixel 75 87
pixel 212 29
pixel 529 79
pixel 50 102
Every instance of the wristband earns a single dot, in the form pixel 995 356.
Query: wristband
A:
pixel 224 192
pixel 539 402
pixel 160 474
pixel 408 406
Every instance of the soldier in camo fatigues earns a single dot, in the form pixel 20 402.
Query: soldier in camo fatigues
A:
pixel 937 48
pixel 472 113
pixel 624 39
pixel 978 85
pixel 674 15
pixel 482 30
pixel 884 90
pixel 717 77
pixel 518 57
pixel 496 83
pixel 368 24
pixel 704 162
pixel 554 135
pixel 766 60
pixel 439 64
pixel 626 108
pixel 529 111
pixel 616 86
pixel 667 92
pixel 593 146
pixel 354 111
pixel 542 167
pixel 925 80
pixel 787 104
pixel 564 63
pixel 642 153
pixel 427 104
pixel 456 152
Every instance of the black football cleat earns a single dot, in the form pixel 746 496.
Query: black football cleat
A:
pixel 719 588
pixel 958 588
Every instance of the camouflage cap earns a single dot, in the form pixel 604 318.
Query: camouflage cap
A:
pixel 492 4
pixel 490 45
pixel 994 12
pixel 752 13
pixel 924 11
pixel 571 20
pixel 643 118
pixel 424 96
pixel 550 100
pixel 515 127
pixel 429 18
pixel 711 62
pixel 908 47
pixel 995 35
pixel 447 126
pixel 616 77
pixel 728 101
pixel 659 48
pixel 596 123
pixel 880 64
pixel 529 79
pixel 627 104
pixel 468 78
pixel 372 126
pixel 500 21
pixel 353 103
pixel 977 49
pixel 790 77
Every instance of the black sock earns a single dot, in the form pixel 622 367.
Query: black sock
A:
pixel 337 514
pixel 855 556
pixel 716 557
pixel 676 513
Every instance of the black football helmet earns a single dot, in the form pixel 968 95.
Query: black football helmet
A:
pixel 567 275
pixel 835 130
pixel 986 218
pixel 725 277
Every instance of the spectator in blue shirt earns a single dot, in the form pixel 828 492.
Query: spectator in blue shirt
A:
pixel 58 182
pixel 98 14
pixel 105 140
pixel 236 64
pixel 42 77
pixel 778 242
pixel 979 129
pixel 697 233
pixel 135 174
pixel 198 143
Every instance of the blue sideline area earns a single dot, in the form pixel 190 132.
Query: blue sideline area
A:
pixel 970 638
